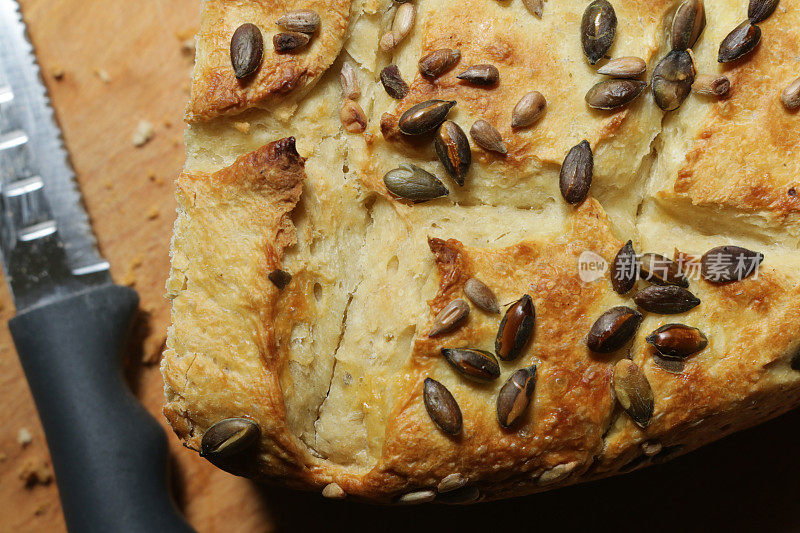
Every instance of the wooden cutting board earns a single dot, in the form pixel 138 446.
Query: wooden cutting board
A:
pixel 111 64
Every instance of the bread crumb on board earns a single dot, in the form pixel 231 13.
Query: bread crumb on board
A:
pixel 103 75
pixel 244 127
pixel 143 133
pixel 24 437
pixel 35 473
pixel 57 71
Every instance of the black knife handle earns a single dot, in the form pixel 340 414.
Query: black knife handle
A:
pixel 109 455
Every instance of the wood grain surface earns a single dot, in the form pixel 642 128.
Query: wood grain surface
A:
pixel 746 482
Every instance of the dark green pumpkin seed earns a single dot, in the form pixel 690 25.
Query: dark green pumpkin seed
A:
pixel 633 392
pixel 229 437
pixel 442 407
pixel 576 174
pixel 688 24
pixel 452 149
pixel 481 75
pixel 672 80
pixel 414 183
pixel 438 62
pixel 515 329
pixel 598 29
pixel 666 300
pixel 611 94
pixel 726 264
pixel 740 42
pixel 478 365
pixel 760 10
pixel 425 116
pixel 393 82
pixel 624 269
pixel 279 278
pixel 515 396
pixel 661 270
pixel 677 341
pixel 613 329
pixel 247 50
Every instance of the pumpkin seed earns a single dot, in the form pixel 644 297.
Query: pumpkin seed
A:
pixel 535 7
pixel 624 269
pixel 452 149
pixel 442 407
pixel 515 395
pixel 425 116
pixel 450 317
pixel 790 97
pixel 677 341
pixel 661 270
pixel 760 10
pixel 515 329
pixel 624 67
pixel 633 392
pixel 666 300
pixel 487 137
pixel 247 50
pixel 528 110
pixel 353 117
pixel 687 25
pixel 460 496
pixel 480 75
pixel 725 264
pixel 612 94
pixel 740 42
pixel 333 491
pixel 481 295
pixel 301 20
pixel 413 183
pixel 598 29
pixel 711 85
pixel 613 329
pixel 673 366
pixel 478 365
pixel 393 82
pixel 229 437
pixel 279 278
pixel 350 87
pixel 576 173
pixel 289 41
pixel 672 79
pixel 418 497
pixel 438 62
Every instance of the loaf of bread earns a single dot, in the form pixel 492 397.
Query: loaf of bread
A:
pixel 374 303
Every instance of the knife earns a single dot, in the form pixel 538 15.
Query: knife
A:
pixel 109 455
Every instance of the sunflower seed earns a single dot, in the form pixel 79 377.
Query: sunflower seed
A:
pixel 438 62
pixel 229 437
pixel 611 94
pixel 350 88
pixel 760 10
pixel 425 116
pixel 452 149
pixel 247 50
pixel 740 42
pixel 451 482
pixel 790 97
pixel 725 264
pixel 515 395
pixel 480 75
pixel 598 29
pixel 633 392
pixel 413 183
pixel 478 365
pixel 279 278
pixel 650 448
pixel 672 79
pixel 420 496
pixel 442 407
pixel 388 42
pixel 487 137
pixel 333 491
pixel 481 295
pixel 403 21
pixel 301 20
pixel 556 474
pixel 710 85
pixel 289 41
pixel 677 341
pixel 613 329
pixel 624 67
pixel 353 117
pixel 624 268
pixel 450 317
pixel 661 270
pixel 393 82
pixel 460 496
pixel 673 366
pixel 687 25
pixel 528 110
pixel 576 173
pixel 535 7
pixel 515 329
pixel 666 300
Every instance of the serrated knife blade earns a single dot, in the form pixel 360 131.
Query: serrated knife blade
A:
pixel 47 245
